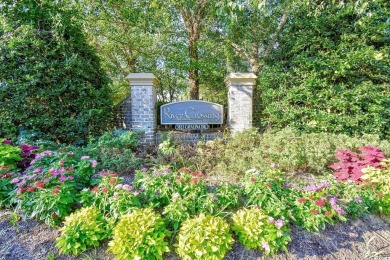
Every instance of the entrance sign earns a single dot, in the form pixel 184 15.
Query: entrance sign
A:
pixel 192 127
pixel 191 112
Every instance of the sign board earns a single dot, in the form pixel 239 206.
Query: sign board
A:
pixel 191 112
pixel 192 127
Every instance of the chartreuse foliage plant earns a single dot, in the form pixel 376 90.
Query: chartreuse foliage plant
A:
pixel 256 230
pixel 380 177
pixel 9 155
pixel 82 229
pixel 139 235
pixel 204 237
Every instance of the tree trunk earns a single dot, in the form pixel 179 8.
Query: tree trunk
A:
pixel 194 70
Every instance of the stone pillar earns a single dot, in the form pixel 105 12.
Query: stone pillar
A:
pixel 240 100
pixel 143 105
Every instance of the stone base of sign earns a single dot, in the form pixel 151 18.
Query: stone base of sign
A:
pixel 188 138
pixel 240 96
pixel 143 116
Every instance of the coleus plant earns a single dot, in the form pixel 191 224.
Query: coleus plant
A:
pixel 350 163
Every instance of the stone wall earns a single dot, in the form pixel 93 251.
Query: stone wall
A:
pixel 189 138
pixel 123 114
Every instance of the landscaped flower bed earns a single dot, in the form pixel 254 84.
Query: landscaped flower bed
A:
pixel 166 206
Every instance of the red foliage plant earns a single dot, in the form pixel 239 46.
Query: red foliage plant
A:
pixel 350 163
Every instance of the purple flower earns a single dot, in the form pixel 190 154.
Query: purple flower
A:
pixel 287 184
pixel 85 157
pixel 46 180
pixel 166 170
pixel 70 177
pixel 333 201
pixel 167 182
pixel 94 163
pixel 144 169
pixel 271 219
pixel 7 141
pixel 311 187
pixel 127 187
pixel 55 174
pixel 279 223
pixel 265 246
pixel 118 187
pixel 14 180
pixel 21 184
pixel 63 178
pixel 38 170
pixel 357 199
pixel 61 171
pixel 18 191
pixel 215 198
pixel 95 175
pixel 338 209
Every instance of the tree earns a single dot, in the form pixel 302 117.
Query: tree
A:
pixel 330 72
pixel 51 82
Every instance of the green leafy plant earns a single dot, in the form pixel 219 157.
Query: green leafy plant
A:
pixel 256 230
pixel 204 237
pixel 9 155
pixel 82 229
pixel 139 235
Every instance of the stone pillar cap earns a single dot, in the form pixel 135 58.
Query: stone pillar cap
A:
pixel 247 79
pixel 142 79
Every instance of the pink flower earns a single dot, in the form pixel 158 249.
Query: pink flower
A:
pixel 63 178
pixel 94 163
pixel 55 174
pixel 46 180
pixel 357 199
pixel 85 157
pixel 271 219
pixel 119 186
pixel 70 177
pixel 127 187
pixel 265 246
pixel 15 180
pixel 279 223
pixel 144 169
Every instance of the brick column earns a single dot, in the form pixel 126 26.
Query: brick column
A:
pixel 240 100
pixel 143 105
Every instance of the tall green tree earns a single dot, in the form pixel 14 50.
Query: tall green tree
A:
pixel 51 81
pixel 330 72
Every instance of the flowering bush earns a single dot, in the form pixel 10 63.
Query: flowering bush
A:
pixel 204 237
pixel 82 229
pixel 160 185
pixel 317 206
pixel 350 164
pixel 256 230
pixel 269 191
pixel 47 189
pixel 139 235
pixel 110 196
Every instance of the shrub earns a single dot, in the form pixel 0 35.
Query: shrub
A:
pixel 350 164
pixel 56 87
pixel 139 235
pixel 110 196
pixel 256 230
pixel 114 151
pixel 269 191
pixel 204 237
pixel 82 229
pixel 330 72
pixel 9 155
pixel 47 190
pixel 380 177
